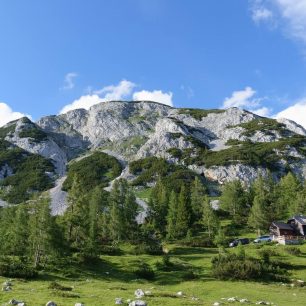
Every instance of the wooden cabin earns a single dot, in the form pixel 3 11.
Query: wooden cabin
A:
pixel 291 232
pixel 281 229
pixel 299 224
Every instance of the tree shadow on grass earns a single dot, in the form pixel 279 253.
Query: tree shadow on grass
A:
pixel 193 251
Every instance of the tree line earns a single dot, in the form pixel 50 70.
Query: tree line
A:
pixel 98 218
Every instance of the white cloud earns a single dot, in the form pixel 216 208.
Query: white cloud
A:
pixel 261 14
pixel 247 99
pixel 155 95
pixel 295 112
pixel 113 92
pixel 7 114
pixel 69 80
pixel 288 15
pixel 116 92
pixel 86 102
pixel 242 98
pixel 293 13
pixel 263 111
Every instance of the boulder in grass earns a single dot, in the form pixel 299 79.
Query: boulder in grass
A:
pixel 51 303
pixel 118 301
pixel 244 301
pixel 180 294
pixel 21 304
pixel 216 304
pixel 14 302
pixel 232 299
pixel 79 304
pixel 138 303
pixel 139 293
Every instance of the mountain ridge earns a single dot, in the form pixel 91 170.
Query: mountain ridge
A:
pixel 221 145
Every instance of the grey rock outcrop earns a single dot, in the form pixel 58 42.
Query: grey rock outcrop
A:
pixel 134 130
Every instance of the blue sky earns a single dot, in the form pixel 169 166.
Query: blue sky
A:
pixel 58 55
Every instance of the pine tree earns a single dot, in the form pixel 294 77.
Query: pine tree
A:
pixel 235 201
pixel 123 211
pixel 41 231
pixel 288 190
pixel 159 207
pixel 209 218
pixel 97 206
pixel 172 216
pixel 20 231
pixel 197 195
pixel 263 210
pixel 130 214
pixel 116 217
pixel 183 213
pixel 76 216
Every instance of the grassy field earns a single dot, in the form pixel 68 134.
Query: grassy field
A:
pixel 113 277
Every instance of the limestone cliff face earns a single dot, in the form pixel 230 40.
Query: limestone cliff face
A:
pixel 134 130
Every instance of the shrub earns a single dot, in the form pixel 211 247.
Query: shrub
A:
pixel 15 268
pixel 233 266
pixel 190 275
pixel 144 271
pixel 57 286
pixel 295 251
pixel 204 242
pixel 153 248
pixel 97 169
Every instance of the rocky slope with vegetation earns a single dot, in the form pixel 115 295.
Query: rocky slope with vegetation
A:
pixel 220 145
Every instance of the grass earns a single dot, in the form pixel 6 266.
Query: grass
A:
pixel 112 277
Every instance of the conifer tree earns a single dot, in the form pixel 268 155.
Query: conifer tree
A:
pixel 116 217
pixel 159 207
pixel 20 231
pixel 263 210
pixel 235 201
pixel 172 216
pixel 288 191
pixel 209 218
pixel 97 206
pixel 130 214
pixel 197 195
pixel 183 213
pixel 41 231
pixel 76 216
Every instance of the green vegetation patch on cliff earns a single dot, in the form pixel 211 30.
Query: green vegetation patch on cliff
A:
pixel 265 125
pixel 30 173
pixel 97 169
pixel 149 169
pixel 31 130
pixel 7 129
pixel 264 154
pixel 198 114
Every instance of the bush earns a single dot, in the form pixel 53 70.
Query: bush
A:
pixel 295 251
pixel 57 286
pixel 264 253
pixel 15 268
pixel 235 267
pixel 150 249
pixel 144 271
pixel 190 275
pixel 204 242
pixel 97 169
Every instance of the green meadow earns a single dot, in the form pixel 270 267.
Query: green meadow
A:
pixel 111 277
